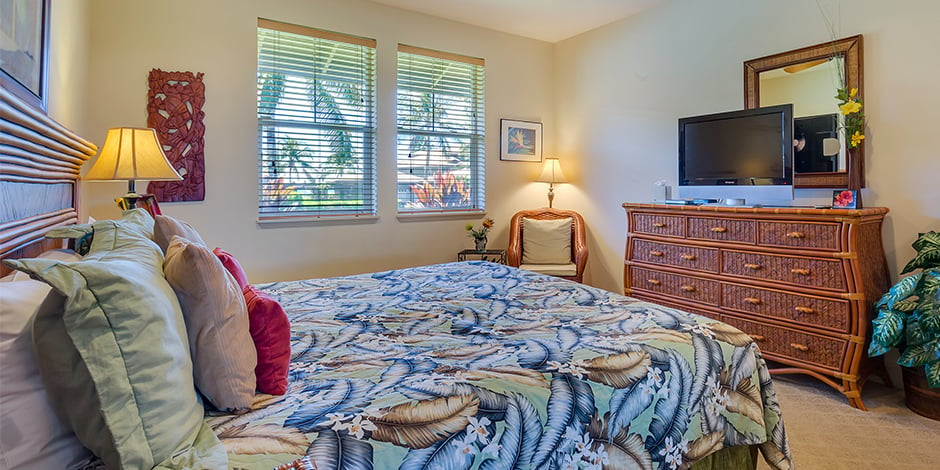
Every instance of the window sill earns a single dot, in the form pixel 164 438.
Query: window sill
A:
pixel 274 222
pixel 418 216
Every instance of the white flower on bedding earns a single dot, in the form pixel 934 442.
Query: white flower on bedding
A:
pixel 476 429
pixel 655 376
pixel 673 452
pixel 465 447
pixel 357 427
pixel 334 418
pixel 703 330
pixel 574 368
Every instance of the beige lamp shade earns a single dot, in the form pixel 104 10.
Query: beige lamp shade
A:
pixel 551 172
pixel 130 154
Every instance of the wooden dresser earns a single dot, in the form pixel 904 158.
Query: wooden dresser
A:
pixel 801 282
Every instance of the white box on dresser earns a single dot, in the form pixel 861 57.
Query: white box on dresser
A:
pixel 800 281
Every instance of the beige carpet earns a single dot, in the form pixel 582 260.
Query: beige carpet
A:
pixel 827 434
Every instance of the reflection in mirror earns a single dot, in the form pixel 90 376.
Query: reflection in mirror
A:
pixel 810 87
pixel 805 81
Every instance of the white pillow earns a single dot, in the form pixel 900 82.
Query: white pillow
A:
pixel 60 254
pixel 31 434
pixel 546 241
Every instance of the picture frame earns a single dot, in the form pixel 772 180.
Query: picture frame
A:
pixel 520 141
pixel 845 199
pixel 24 25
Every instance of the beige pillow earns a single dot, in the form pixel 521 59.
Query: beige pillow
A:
pixel 165 227
pixel 546 241
pixel 216 317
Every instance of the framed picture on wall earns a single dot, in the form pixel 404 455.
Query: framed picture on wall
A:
pixel 520 141
pixel 24 34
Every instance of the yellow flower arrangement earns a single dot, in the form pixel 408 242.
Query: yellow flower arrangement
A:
pixel 853 116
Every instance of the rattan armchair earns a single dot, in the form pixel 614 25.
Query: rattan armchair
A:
pixel 579 251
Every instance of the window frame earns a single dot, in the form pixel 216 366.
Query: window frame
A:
pixel 354 132
pixel 473 69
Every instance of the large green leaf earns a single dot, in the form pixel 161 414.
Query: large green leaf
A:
pixel 914 333
pixel 919 355
pixel 888 329
pixel 933 374
pixel 928 253
pixel 900 291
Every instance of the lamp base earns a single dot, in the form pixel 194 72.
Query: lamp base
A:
pixel 128 201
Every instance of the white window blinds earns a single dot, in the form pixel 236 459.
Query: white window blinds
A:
pixel 440 132
pixel 316 123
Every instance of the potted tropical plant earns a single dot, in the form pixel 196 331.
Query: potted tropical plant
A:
pixel 909 319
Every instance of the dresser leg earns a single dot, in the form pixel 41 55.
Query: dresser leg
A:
pixel 853 393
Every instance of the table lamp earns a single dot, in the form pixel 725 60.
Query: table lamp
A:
pixel 551 174
pixel 131 154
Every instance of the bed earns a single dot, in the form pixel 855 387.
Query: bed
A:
pixel 463 365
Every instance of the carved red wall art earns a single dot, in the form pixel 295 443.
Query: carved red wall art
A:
pixel 174 109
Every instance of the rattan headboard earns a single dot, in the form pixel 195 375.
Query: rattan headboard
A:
pixel 39 165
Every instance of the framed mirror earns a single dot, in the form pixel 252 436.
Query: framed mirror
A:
pixel 808 78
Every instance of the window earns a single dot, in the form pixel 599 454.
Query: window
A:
pixel 440 132
pixel 316 123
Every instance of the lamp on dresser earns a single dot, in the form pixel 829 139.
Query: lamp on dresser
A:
pixel 131 154
pixel 551 174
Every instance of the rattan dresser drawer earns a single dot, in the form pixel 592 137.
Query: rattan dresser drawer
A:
pixel 808 310
pixel 811 272
pixel 654 224
pixel 728 230
pixel 683 287
pixel 680 256
pixel 799 235
pixel 805 347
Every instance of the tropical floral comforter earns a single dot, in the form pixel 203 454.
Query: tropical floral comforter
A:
pixel 477 365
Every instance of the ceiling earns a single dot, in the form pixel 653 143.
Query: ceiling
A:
pixel 546 20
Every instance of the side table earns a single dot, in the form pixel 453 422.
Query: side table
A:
pixel 493 256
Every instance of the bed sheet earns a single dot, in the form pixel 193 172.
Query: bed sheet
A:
pixel 479 365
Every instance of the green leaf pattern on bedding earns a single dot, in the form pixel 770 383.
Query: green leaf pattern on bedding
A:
pixel 478 365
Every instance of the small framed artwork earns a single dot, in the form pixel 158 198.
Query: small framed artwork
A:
pixel 24 34
pixel 844 199
pixel 520 141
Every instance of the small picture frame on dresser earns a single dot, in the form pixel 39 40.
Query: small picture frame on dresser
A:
pixel 844 199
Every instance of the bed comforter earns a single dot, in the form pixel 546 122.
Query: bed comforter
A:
pixel 479 365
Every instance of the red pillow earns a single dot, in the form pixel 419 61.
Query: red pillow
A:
pixel 270 330
pixel 232 265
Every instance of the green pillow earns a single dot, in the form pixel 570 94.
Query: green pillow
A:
pixel 116 363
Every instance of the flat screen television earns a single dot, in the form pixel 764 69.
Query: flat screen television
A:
pixel 744 154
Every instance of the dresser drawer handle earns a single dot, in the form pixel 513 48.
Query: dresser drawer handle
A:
pixel 805 310
pixel 659 224
pixel 752 266
pixel 719 229
pixel 656 253
pixel 654 282
pixel 795 235
pixel 800 271
pixel 688 257
pixel 757 337
pixel 688 288
pixel 799 347
pixel 753 300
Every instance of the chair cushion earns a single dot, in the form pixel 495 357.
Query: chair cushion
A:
pixel 115 358
pixel 224 357
pixel 546 241
pixel 569 269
